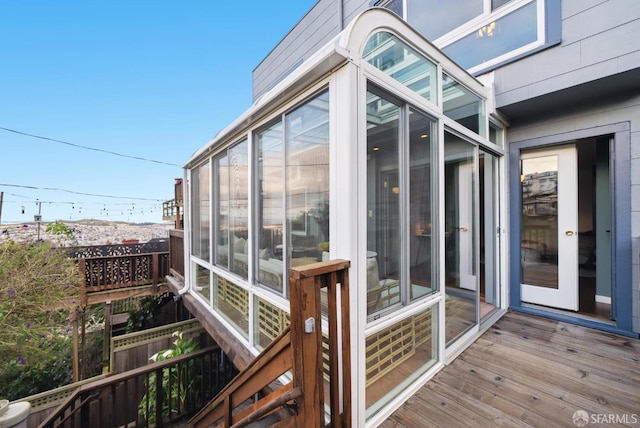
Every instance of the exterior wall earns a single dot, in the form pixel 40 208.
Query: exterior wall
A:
pixel 312 32
pixel 323 22
pixel 599 39
pixel 601 113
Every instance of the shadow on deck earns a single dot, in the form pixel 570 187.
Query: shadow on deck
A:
pixel 529 371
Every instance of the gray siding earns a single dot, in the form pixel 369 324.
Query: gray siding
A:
pixel 599 39
pixel 313 31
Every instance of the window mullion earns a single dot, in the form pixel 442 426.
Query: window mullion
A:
pixel 404 168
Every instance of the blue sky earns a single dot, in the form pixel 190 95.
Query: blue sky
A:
pixel 151 79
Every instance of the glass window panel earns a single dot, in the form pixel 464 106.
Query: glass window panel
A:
pixel 383 204
pixel 203 282
pixel 398 355
pixel 388 53
pixel 462 105
pixel 232 302
pixel 307 174
pixel 434 18
pixel 422 137
pixel 395 6
pixel 496 134
pixel 221 231
pixel 497 3
pixel 270 206
pixel 238 191
pixel 540 221
pixel 269 321
pixel 460 247
pixel 508 33
pixel 201 202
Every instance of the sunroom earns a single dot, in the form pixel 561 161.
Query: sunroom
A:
pixel 379 150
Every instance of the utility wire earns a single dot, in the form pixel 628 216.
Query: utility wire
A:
pixel 77 193
pixel 88 148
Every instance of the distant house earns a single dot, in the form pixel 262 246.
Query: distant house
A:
pixel 465 160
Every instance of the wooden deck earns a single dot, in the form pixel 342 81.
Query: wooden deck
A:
pixel 530 371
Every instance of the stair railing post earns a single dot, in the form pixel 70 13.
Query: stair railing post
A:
pixel 306 340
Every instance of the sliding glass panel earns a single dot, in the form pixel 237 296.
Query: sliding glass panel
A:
pixel 422 141
pixel 383 204
pixel 434 18
pixel 462 105
pixel 460 250
pixel 270 206
pixel 238 182
pixel 489 233
pixel 307 175
pixel 388 53
pixel 201 202
pixel 397 355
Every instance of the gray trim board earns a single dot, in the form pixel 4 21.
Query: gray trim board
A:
pixel 622 304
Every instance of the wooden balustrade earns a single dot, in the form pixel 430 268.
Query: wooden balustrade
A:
pixel 118 272
pixel 298 350
pixel 182 386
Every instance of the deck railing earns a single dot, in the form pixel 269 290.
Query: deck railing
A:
pixel 298 351
pixel 158 394
pixel 176 253
pixel 118 272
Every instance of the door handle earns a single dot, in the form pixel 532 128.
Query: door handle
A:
pixel 462 229
pixel 569 233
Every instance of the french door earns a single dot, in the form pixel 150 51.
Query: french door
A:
pixel 549 235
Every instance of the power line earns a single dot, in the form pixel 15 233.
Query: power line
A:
pixel 77 193
pixel 88 148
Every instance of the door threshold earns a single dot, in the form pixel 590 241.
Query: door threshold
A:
pixel 579 315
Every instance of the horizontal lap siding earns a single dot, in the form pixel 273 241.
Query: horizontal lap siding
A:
pixel 312 32
pixel 599 39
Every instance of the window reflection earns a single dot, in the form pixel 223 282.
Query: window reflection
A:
pixel 388 53
pixel 434 18
pixel 383 204
pixel 200 194
pixel 462 105
pixel 508 33
pixel 460 246
pixel 231 231
pixel 299 207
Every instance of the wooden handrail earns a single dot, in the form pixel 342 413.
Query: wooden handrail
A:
pixel 87 402
pixel 304 335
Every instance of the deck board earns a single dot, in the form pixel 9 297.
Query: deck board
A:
pixel 528 371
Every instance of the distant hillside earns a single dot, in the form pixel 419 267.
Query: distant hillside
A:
pixel 89 232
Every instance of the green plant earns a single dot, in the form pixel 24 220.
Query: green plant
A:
pixel 175 383
pixel 143 317
pixel 54 369
pixel 38 289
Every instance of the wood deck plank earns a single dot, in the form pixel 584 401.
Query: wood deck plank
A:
pixel 527 371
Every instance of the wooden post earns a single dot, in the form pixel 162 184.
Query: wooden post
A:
pixel 306 334
pixel 73 315
pixel 83 358
pixel 106 344
pixel 155 262
pixel 82 266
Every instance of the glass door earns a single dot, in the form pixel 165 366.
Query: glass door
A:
pixel 461 279
pixel 549 238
